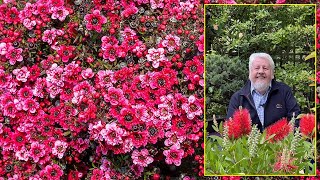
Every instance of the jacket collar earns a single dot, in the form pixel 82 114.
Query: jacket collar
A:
pixel 246 90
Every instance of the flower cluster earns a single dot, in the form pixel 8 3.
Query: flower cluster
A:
pixel 239 125
pixel 277 150
pixel 98 89
pixel 279 130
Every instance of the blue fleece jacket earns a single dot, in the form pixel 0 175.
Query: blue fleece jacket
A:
pixel 280 103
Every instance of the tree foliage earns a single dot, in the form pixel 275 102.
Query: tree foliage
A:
pixel 224 75
pixel 242 30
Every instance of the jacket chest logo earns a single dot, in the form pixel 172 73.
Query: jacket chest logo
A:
pixel 279 106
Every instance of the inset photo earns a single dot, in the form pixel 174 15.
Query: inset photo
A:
pixel 260 90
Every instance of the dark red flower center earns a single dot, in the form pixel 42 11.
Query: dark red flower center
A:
pixel 181 124
pixel 193 68
pixel 173 155
pixel 113 134
pixel 193 107
pixel 161 82
pixel 53 173
pixel 19 139
pixel 94 20
pixel 26 94
pixel 142 158
pixel 36 151
pixel 128 117
pixel 152 131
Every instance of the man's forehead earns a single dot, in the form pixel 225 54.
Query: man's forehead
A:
pixel 260 61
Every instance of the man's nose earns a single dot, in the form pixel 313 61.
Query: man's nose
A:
pixel 260 71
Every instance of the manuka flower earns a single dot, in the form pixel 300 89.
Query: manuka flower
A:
pixel 14 55
pixel 174 155
pixel 66 52
pixel 59 13
pixel 95 21
pixel 59 148
pixel 21 74
pixel 307 124
pixel 141 158
pixel 280 129
pixel 156 56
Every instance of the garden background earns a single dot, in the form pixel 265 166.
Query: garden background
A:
pixel 72 70
pixel 101 89
pixel 233 33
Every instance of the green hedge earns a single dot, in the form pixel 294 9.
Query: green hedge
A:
pixel 224 76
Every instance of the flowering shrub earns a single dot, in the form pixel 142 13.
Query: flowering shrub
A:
pixel 101 89
pixel 280 149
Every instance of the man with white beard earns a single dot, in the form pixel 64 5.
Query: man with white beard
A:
pixel 266 99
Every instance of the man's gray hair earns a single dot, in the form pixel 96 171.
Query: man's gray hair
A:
pixel 261 55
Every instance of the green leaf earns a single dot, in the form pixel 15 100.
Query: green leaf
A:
pixel 311 55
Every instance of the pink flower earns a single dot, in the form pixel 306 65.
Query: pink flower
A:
pixel 37 151
pixel 4 48
pixel 12 15
pixel 112 134
pixel 22 74
pixel 127 32
pixel 163 112
pixel 127 118
pixel 114 96
pixel 192 108
pixel 49 36
pixel 171 42
pixel 59 148
pixel 95 21
pixel 173 155
pixel 59 13
pixel 129 10
pixel 156 56
pixel 53 172
pixel 156 4
pixel 172 138
pixel 29 24
pixel 110 52
pixel 66 52
pixel 10 110
pixel 200 43
pixel 25 93
pixel 105 78
pixel 87 73
pixel 14 55
pixel 141 158
pixel 30 105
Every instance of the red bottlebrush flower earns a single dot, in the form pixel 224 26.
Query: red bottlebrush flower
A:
pixel 284 166
pixel 280 128
pixel 307 124
pixel 242 117
pixel 234 130
pixel 240 124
